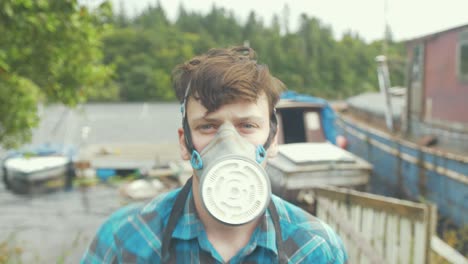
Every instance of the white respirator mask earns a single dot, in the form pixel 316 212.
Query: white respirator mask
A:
pixel 234 186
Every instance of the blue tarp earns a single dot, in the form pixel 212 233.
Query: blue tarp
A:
pixel 327 113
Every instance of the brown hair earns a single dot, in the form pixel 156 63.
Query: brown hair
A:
pixel 223 76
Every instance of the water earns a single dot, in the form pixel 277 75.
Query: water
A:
pixel 110 123
pixel 57 227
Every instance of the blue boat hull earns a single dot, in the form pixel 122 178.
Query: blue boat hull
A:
pixel 404 169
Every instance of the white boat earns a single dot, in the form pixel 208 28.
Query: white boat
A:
pixel 36 174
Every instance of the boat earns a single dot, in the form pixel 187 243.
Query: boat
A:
pixel 417 138
pixel 39 168
pixel 309 151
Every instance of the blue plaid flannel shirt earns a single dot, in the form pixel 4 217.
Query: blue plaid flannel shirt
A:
pixel 134 235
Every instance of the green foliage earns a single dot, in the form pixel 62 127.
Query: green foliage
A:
pixel 145 49
pixel 49 51
pixel 18 100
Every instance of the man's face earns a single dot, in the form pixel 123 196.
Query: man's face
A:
pixel 251 120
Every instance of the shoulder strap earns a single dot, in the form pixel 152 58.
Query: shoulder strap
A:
pixel 279 236
pixel 176 212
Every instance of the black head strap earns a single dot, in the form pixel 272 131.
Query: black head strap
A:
pixel 273 128
pixel 185 125
pixel 188 136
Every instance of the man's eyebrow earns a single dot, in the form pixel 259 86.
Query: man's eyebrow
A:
pixel 206 119
pixel 250 118
pixel 237 119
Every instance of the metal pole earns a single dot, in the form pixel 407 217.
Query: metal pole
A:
pixel 384 84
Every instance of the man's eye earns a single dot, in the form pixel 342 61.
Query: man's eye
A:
pixel 247 127
pixel 206 127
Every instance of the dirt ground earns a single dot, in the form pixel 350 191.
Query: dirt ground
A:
pixel 55 227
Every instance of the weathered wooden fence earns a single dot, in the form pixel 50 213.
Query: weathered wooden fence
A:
pixel 378 229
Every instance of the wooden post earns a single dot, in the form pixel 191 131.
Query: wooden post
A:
pixel 430 229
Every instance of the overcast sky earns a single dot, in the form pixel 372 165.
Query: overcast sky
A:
pixel 407 18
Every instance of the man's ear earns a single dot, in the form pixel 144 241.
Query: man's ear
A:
pixel 273 148
pixel 184 153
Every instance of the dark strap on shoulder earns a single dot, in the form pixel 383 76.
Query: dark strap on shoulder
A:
pixel 176 212
pixel 279 236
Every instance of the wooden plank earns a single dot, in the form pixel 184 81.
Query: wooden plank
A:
pixel 367 222
pixel 343 210
pixel 356 223
pixel 380 233
pixel 308 179
pixel 391 241
pixel 431 225
pixel 367 226
pixel 445 251
pixel 420 242
pixel 405 241
pixel 358 226
pixel 332 208
pixel 409 209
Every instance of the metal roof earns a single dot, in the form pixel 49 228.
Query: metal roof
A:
pixel 425 37
pixel 375 103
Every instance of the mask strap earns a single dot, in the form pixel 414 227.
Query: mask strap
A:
pixel 195 156
pixel 187 135
pixel 196 160
pixel 282 258
pixel 260 154
pixel 176 212
pixel 273 128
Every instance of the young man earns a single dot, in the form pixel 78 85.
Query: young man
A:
pixel 226 212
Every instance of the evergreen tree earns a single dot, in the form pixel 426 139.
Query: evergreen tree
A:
pixel 310 60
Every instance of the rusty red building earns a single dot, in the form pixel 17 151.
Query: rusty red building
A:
pixel 438 85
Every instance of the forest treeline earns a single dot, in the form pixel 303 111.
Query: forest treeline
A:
pixel 144 49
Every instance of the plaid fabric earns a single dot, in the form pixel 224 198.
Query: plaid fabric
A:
pixel 134 235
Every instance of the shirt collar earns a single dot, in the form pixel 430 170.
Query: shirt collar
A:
pixel 189 227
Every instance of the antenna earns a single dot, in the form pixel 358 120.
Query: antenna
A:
pixel 385 37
